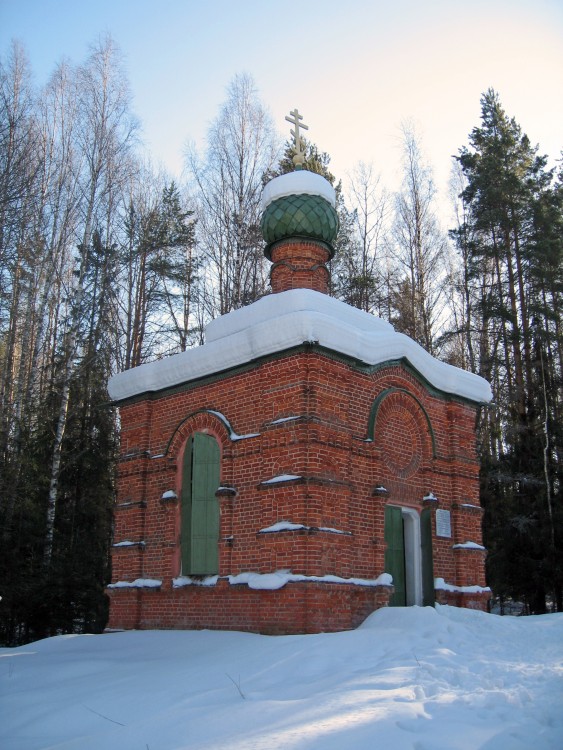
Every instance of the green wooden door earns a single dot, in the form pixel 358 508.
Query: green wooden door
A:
pixel 395 554
pixel 428 595
pixel 200 509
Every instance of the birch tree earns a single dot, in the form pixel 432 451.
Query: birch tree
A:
pixel 418 247
pixel 363 263
pixel 20 196
pixel 104 140
pixel 241 149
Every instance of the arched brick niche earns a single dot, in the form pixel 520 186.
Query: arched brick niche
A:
pixel 210 423
pixel 216 425
pixel 400 426
pixel 203 420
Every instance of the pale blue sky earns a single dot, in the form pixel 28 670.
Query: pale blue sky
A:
pixel 355 69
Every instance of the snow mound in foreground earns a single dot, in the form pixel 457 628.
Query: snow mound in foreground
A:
pixel 407 679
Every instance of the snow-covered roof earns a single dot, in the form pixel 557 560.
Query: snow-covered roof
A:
pixel 279 322
pixel 298 183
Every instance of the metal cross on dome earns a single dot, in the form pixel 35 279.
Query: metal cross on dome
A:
pixel 296 118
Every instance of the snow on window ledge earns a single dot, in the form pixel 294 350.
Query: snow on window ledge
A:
pixel 290 526
pixel 468 545
pixel 277 580
pixel 441 585
pixel 138 583
pixel 256 581
pixel 181 581
pixel 281 478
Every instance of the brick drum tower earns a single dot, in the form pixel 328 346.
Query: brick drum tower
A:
pixel 303 467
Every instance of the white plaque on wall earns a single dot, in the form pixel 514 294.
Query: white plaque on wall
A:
pixel 443 523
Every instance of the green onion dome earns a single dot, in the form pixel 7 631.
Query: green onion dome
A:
pixel 299 204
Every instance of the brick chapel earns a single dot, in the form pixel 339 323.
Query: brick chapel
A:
pixel 303 467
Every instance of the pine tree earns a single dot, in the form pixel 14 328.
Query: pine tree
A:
pixel 159 273
pixel 511 248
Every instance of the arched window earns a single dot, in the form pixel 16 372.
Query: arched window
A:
pixel 200 508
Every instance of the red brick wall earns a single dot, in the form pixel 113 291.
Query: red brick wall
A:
pixel 297 608
pixel 339 463
pixel 299 265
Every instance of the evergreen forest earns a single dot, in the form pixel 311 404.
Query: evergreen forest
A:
pixel 107 263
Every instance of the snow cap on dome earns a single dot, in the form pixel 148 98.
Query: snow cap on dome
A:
pixel 298 183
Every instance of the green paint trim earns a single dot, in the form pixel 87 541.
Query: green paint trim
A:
pixel 375 409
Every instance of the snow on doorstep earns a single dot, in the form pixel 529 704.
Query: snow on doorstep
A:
pixel 468 545
pixel 298 183
pixel 282 321
pixel 138 583
pixel 289 526
pixel 281 478
pixel 441 585
pixel 277 580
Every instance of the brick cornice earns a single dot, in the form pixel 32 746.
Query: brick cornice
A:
pixel 308 347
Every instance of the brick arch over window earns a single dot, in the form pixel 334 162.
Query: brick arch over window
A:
pixel 200 446
pixel 399 423
pixel 202 420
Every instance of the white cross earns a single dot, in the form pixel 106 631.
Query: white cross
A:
pixel 299 157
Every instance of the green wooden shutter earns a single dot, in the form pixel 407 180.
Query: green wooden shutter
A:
pixel 200 509
pixel 205 508
pixel 395 554
pixel 428 595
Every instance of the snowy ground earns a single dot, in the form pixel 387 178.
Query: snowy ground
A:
pixel 416 679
